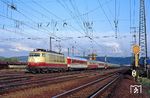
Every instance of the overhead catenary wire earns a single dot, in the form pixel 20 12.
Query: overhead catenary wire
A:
pixel 57 17
pixel 76 13
pixel 51 13
pixel 46 10
pixel 89 36
pixel 111 13
pixel 70 25
pixel 20 21
pixel 17 28
pixel 65 6
pixel 105 15
pixel 30 20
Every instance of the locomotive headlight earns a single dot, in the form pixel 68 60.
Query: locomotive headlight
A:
pixel 35 61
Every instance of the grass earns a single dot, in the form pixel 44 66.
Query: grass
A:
pixel 145 82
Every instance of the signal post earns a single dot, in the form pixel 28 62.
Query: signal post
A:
pixel 135 71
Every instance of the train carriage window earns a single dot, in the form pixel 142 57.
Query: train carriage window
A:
pixel 43 54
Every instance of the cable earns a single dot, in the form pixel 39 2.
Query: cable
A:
pixel 34 9
pixel 105 15
pixel 46 10
pixel 65 6
pixel 19 21
pixel 29 19
pixel 48 17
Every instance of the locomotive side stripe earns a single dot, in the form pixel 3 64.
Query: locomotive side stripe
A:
pixel 43 64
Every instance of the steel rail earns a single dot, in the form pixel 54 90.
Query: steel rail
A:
pixel 103 88
pixel 4 88
pixel 82 86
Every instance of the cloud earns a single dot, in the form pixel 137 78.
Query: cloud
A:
pixel 2 50
pixel 114 46
pixel 17 47
pixel 14 49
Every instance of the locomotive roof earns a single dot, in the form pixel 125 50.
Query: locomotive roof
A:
pixel 49 51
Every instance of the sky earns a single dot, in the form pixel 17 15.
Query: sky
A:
pixel 83 26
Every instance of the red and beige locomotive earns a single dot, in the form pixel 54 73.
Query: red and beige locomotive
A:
pixel 42 61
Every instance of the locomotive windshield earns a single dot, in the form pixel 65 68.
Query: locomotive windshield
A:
pixel 34 54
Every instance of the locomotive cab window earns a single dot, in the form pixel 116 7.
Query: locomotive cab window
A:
pixel 34 54
pixel 43 54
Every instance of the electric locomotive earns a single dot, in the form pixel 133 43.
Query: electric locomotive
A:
pixel 41 61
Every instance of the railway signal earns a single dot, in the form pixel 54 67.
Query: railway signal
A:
pixel 136 51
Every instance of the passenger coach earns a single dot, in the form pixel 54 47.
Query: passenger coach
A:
pixel 75 63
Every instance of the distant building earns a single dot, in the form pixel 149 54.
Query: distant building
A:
pixel 92 56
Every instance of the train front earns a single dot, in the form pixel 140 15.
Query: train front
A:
pixel 36 60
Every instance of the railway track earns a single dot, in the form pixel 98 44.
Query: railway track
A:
pixel 8 78
pixel 25 81
pixel 79 91
pixel 103 88
pixel 18 82
pixel 29 84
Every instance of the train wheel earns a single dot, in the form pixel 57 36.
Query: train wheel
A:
pixel 46 70
pixel 42 71
pixel 38 70
pixel 33 71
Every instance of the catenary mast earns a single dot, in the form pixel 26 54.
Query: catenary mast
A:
pixel 142 34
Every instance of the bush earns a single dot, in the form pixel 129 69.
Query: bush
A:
pixel 12 59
